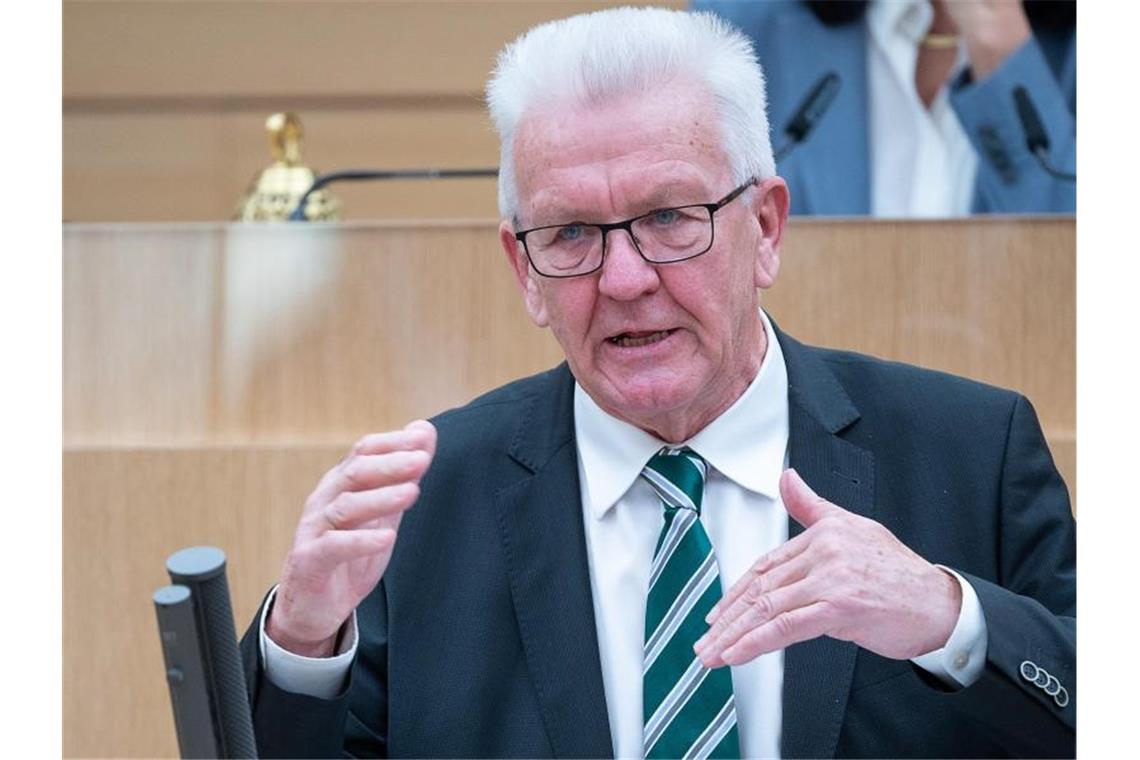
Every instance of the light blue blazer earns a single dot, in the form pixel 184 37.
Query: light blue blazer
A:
pixel 829 174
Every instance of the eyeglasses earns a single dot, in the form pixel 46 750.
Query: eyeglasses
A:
pixel 663 236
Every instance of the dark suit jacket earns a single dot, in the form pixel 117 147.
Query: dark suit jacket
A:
pixel 480 641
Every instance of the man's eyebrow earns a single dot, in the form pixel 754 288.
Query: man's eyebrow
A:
pixel 662 196
pixel 671 195
pixel 557 214
pixel 549 208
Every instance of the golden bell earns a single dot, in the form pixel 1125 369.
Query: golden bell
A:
pixel 278 189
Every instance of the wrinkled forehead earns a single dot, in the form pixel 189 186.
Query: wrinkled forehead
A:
pixel 612 154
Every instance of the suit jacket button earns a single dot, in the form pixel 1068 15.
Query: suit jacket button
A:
pixel 1061 697
pixel 1053 687
pixel 1029 671
pixel 1042 678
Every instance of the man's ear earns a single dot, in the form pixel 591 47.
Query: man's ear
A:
pixel 769 204
pixel 533 298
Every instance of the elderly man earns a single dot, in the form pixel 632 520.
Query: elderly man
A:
pixel 697 537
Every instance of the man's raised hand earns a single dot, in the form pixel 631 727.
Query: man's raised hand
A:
pixel 346 535
pixel 992 30
pixel 846 577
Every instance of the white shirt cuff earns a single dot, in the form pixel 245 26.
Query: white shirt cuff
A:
pixel 321 677
pixel 960 663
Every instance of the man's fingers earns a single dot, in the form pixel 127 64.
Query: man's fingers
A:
pixel 353 509
pixel 764 609
pixel 425 433
pixel 802 503
pixel 365 466
pixel 417 435
pixel 785 552
pixel 339 546
pixel 364 472
pixel 790 627
pixel 756 594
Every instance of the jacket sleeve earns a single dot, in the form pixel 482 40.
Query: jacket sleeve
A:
pixel 1010 178
pixel 1031 610
pixel 286 724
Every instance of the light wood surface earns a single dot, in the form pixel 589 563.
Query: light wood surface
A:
pixel 990 299
pixel 211 48
pixel 243 333
pixel 196 165
pixel 126 511
pixel 213 372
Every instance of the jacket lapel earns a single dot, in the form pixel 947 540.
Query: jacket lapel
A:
pixel 540 519
pixel 818 673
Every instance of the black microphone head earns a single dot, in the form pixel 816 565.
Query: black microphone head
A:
pixel 1036 138
pixel 813 107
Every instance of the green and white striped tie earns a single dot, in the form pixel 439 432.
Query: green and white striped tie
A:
pixel 688 709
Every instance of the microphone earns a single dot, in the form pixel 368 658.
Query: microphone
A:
pixel 1036 138
pixel 204 667
pixel 810 112
pixel 190 696
pixel 356 175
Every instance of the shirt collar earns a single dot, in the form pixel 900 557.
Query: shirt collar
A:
pixel 746 443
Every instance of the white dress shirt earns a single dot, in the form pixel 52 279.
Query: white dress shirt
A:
pixel 746 448
pixel 922 162
pixel 743 515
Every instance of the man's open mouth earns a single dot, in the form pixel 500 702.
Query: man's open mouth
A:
pixel 635 339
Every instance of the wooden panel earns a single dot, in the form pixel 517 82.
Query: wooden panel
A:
pixel 242 47
pixel 125 513
pixel 268 333
pixel 195 166
pixel 990 299
pixel 140 330
pixel 245 333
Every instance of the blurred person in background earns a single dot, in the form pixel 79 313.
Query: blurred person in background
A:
pixel 924 123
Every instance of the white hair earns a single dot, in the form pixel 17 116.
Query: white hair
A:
pixel 592 57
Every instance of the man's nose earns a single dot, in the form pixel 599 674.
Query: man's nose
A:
pixel 626 275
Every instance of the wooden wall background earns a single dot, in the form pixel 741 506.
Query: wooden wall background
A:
pixel 165 102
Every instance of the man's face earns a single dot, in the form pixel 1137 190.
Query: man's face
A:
pixel 667 347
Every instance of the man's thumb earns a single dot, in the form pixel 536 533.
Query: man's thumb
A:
pixel 802 503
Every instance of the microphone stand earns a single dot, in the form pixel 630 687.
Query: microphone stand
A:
pixel 356 175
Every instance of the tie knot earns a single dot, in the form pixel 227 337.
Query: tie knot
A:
pixel 678 477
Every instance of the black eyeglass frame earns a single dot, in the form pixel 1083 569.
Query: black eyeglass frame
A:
pixel 627 225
